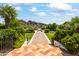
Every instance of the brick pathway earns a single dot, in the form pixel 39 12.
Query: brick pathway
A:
pixel 36 50
pixel 39 46
pixel 39 37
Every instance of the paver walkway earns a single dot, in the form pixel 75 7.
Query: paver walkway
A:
pixel 36 50
pixel 38 46
pixel 39 38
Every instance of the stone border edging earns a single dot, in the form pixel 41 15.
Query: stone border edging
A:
pixel 47 38
pixel 32 38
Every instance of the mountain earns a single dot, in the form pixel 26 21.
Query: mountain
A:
pixel 32 24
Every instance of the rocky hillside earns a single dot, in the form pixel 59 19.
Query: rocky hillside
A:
pixel 32 24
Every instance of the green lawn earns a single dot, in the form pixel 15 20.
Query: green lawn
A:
pixel 50 35
pixel 29 35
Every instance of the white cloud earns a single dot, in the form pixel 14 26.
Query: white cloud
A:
pixel 33 9
pixel 18 8
pixel 41 13
pixel 61 6
pixel 75 9
pixel 37 12
pixel 70 14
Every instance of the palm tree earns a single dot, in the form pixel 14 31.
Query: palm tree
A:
pixel 8 13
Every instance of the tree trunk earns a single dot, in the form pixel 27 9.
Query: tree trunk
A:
pixel 7 23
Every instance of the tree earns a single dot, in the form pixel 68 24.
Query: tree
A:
pixel 68 34
pixel 52 27
pixel 8 13
pixel 75 24
pixel 71 43
pixel 67 26
pixel 75 20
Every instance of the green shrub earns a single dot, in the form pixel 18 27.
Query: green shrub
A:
pixel 71 43
pixel 50 35
pixel 59 34
pixel 19 41
pixel 51 27
pixel 2 26
pixel 7 38
pixel 46 30
pixel 11 38
pixel 28 35
pixel 29 30
pixel 19 30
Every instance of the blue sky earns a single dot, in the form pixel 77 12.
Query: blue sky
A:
pixel 46 12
